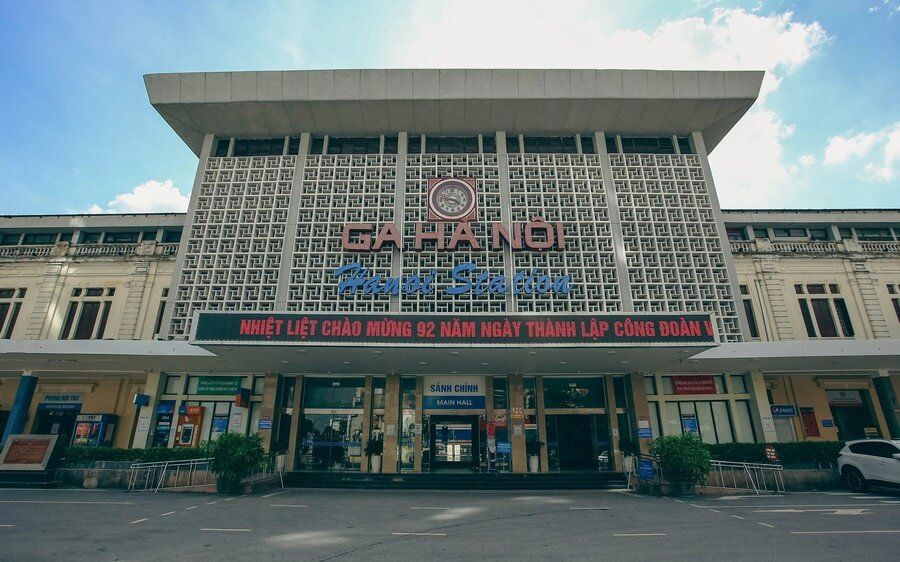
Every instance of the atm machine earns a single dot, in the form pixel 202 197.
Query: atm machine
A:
pixel 95 430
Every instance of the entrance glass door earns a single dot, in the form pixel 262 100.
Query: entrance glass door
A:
pixel 578 442
pixel 454 442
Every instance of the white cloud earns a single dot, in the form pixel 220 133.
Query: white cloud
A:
pixel 886 169
pixel 152 196
pixel 806 160
pixel 840 148
pixel 507 34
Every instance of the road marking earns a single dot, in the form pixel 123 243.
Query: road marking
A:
pixel 890 502
pixel 229 499
pixel 166 513
pixel 589 508
pixel 841 532
pixel 285 505
pixel 6 526
pixel 228 530
pixel 66 502
pixel 871 497
pixel 211 503
pixel 738 517
pixel 697 506
pixel 830 511
pixel 139 520
pixel 715 510
pixel 192 507
pixel 804 505
pixel 765 525
pixel 420 534
pixel 682 501
pixel 639 534
pixel 273 494
pixel 438 508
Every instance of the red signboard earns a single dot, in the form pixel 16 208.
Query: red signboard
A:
pixel 703 384
pixel 463 329
pixel 810 423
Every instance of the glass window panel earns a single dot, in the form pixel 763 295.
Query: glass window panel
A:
pixel 253 426
pixel 378 386
pixel 619 390
pixel 722 421
pixel 173 384
pixel 705 422
pixel 85 327
pixel 528 391
pixel 738 384
pixel 259 384
pixel 193 382
pixel 650 386
pixel 743 424
pixel 334 392
pixel 807 319
pixel 720 384
pixel 844 317
pixel 668 385
pixel 654 419
pixel 751 318
pixel 673 419
pixel 824 319
pixel 408 393
pixel 501 397
pixel 581 392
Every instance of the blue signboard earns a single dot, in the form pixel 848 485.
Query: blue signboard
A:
pixel 645 433
pixel 784 410
pixel 827 423
pixel 264 423
pixel 503 447
pixel 645 469
pixel 453 402
pixel 689 423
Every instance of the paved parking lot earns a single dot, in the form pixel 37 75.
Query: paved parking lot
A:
pixel 414 525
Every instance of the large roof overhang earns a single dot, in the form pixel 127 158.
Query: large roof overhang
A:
pixel 452 102
pixel 117 358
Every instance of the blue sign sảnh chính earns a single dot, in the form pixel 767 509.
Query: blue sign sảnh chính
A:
pixel 504 447
pixel 645 433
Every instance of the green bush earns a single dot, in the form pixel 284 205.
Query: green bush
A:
pixel 76 455
pixel 805 454
pixel 234 457
pixel 683 460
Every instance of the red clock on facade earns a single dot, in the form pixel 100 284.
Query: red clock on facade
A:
pixel 451 199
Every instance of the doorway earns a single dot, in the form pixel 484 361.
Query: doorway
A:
pixel 455 443
pixel 56 422
pixel 578 442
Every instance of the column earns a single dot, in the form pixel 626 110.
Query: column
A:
pixel 290 461
pixel 541 421
pixel 517 423
pixel 366 424
pixel 640 409
pixel 268 408
pixel 22 403
pixel 887 399
pixel 764 425
pixel 391 424
pixel 613 418
pixel 147 416
pixel 417 453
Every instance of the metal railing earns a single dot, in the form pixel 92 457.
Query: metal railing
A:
pixel 757 478
pixel 169 475
pixel 274 467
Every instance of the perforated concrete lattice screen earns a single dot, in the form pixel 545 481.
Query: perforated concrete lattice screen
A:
pixel 236 235
pixel 672 245
pixel 673 252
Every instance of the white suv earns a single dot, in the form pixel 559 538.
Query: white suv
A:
pixel 870 461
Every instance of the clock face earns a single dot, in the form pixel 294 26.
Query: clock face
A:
pixel 452 199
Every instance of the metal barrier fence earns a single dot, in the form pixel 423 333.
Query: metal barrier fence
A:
pixel 169 475
pixel 274 466
pixel 753 477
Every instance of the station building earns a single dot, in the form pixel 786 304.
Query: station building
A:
pixel 473 267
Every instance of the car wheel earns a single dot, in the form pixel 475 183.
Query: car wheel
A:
pixel 854 479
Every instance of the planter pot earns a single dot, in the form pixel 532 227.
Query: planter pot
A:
pixel 534 462
pixel 376 463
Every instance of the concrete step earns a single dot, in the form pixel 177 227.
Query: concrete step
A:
pixel 450 481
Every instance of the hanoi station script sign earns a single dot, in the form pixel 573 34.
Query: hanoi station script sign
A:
pixel 453 329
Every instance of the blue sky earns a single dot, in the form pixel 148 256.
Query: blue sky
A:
pixel 78 133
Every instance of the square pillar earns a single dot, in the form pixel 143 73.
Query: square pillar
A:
pixel 391 424
pixel 887 399
pixel 541 421
pixel 764 425
pixel 517 423
pixel 290 461
pixel 268 408
pixel 366 424
pixel 418 443
pixel 613 419
pixel 146 419
pixel 640 409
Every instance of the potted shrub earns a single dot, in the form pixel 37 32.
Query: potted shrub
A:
pixel 234 457
pixel 533 450
pixel 683 460
pixel 373 450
